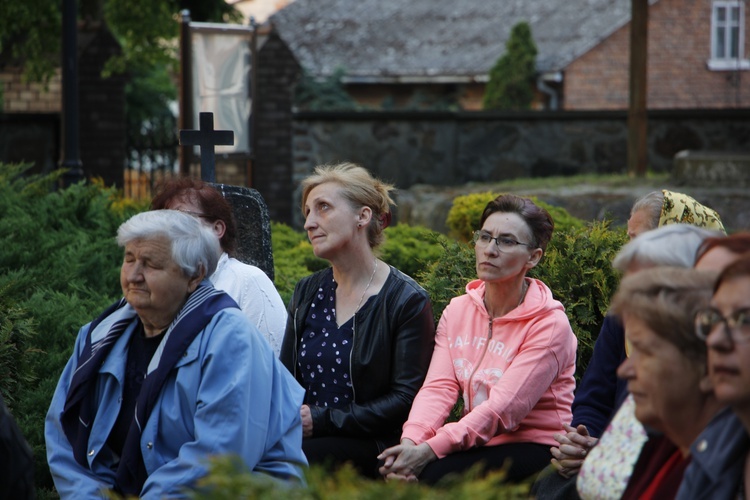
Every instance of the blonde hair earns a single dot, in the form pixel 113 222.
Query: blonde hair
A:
pixel 360 189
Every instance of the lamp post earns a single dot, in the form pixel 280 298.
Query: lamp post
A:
pixel 70 158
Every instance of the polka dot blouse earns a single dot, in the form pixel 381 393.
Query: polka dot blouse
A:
pixel 324 352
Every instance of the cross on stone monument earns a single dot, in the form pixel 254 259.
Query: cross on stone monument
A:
pixel 206 138
pixel 249 209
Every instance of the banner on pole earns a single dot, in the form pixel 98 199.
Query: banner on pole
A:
pixel 222 64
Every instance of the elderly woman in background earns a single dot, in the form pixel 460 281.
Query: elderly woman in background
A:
pixel 660 208
pixel 721 455
pixel 608 467
pixel 249 286
pixel 168 376
pixel 507 348
pixel 666 372
pixel 601 392
pixel 360 333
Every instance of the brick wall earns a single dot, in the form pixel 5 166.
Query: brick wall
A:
pixel 35 109
pixel 21 97
pixel 277 73
pixel 678 77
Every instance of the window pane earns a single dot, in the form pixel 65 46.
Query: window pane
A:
pixel 721 51
pixel 721 14
pixel 735 14
pixel 734 48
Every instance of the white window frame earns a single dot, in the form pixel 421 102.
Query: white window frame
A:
pixel 722 62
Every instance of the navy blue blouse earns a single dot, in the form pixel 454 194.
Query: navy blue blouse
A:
pixel 325 351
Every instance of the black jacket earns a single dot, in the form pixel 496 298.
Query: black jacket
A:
pixel 394 335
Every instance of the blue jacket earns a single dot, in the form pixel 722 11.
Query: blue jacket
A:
pixel 718 460
pixel 228 395
pixel 600 392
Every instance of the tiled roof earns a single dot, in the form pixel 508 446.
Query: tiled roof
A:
pixel 403 39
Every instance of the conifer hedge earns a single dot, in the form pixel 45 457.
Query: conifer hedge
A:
pixel 59 268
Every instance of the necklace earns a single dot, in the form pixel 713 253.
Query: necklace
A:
pixel 367 287
pixel 524 289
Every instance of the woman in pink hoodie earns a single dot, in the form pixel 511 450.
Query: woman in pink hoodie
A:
pixel 507 348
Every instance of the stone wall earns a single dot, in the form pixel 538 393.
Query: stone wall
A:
pixel 451 149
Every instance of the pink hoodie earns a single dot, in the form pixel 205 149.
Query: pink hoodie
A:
pixel 515 374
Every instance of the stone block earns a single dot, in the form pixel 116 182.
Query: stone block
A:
pixel 253 226
pixel 712 168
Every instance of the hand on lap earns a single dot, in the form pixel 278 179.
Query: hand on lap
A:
pixel 406 461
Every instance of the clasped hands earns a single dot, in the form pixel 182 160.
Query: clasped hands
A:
pixel 406 461
pixel 574 446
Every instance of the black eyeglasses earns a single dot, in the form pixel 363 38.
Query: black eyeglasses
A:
pixel 736 326
pixel 504 243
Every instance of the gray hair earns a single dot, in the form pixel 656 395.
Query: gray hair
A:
pixel 194 246
pixel 666 300
pixel 650 203
pixel 673 245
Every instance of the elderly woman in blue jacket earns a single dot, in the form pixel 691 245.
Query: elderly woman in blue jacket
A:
pixel 169 376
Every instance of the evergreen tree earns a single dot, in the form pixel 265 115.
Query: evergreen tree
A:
pixel 511 85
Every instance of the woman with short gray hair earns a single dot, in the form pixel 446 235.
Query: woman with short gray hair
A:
pixel 169 375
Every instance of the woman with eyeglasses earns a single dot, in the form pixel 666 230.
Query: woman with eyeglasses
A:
pixel 720 465
pixel 248 285
pixel 506 347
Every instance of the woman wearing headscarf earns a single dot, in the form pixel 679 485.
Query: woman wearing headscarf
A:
pixel 660 208
pixel 599 391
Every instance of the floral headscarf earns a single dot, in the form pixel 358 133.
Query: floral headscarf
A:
pixel 681 208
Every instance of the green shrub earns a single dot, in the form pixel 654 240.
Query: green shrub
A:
pixel 58 269
pixel 228 480
pixel 466 213
pixel 326 94
pixel 293 258
pixel 410 249
pixel 578 269
pixel 407 248
pixel 17 331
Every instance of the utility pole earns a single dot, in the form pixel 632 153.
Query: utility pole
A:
pixel 637 116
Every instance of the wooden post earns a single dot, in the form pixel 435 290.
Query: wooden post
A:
pixel 637 115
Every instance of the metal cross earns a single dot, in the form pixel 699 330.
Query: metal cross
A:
pixel 206 138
